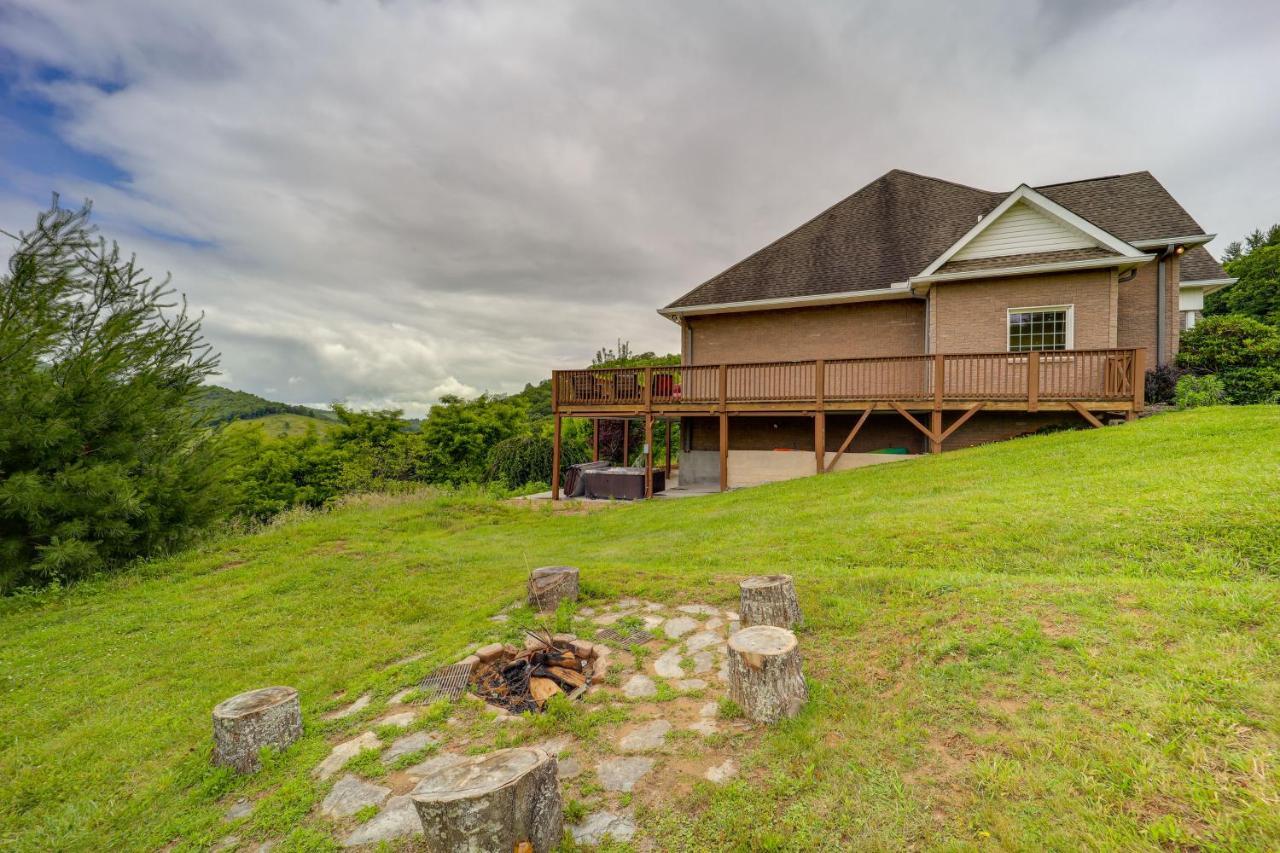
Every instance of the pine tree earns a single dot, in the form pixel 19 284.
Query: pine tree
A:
pixel 104 454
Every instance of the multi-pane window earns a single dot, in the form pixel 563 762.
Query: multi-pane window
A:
pixel 1039 329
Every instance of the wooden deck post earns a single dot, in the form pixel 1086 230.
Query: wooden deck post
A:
pixel 648 455
pixel 1033 381
pixel 555 435
pixel 820 417
pixel 724 451
pixel 935 424
pixel 724 427
pixel 555 457
pixel 1139 379
pixel 595 439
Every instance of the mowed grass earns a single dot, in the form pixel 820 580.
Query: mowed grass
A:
pixel 1060 642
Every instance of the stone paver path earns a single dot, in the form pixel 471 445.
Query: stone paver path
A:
pixel 409 744
pixel 645 737
pixel 354 708
pixel 639 686
pixel 722 772
pixel 679 626
pixel 350 795
pixel 622 774
pixel 344 752
pixel 601 825
pixel 398 819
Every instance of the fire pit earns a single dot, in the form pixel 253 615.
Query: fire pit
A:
pixel 523 680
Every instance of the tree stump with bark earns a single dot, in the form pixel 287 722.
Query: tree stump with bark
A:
pixel 769 600
pixel 244 724
pixel 550 585
pixel 766 673
pixel 495 801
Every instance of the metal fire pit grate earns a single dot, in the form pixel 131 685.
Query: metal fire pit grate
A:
pixel 638 637
pixel 447 682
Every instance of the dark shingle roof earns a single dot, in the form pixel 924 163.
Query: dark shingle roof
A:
pixel 1198 265
pixel 1026 260
pixel 1132 207
pixel 892 228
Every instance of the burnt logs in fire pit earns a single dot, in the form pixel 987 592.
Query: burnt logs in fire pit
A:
pixel 525 680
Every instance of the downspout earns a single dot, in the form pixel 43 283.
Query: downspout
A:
pixel 1162 313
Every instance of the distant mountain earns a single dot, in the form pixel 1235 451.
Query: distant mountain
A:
pixel 226 404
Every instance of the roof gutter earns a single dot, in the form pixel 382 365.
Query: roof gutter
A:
pixel 901 290
pixel 1163 242
pixel 1032 269
pixel 1208 285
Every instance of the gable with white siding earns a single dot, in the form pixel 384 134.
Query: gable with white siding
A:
pixel 1023 230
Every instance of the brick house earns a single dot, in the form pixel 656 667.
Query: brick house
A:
pixel 918 315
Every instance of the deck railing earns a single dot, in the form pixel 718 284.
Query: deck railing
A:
pixel 1059 376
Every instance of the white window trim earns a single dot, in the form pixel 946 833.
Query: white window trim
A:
pixel 1071 322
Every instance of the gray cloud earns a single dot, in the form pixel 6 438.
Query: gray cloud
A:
pixel 384 202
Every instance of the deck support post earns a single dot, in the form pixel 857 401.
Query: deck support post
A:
pixel 848 440
pixel 820 441
pixel 648 455
pixel 555 457
pixel 935 424
pixel 1139 379
pixel 820 416
pixel 724 451
pixel 595 439
pixel 1086 414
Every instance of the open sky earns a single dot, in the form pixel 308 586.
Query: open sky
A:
pixel 384 202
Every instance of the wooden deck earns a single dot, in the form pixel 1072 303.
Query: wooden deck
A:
pixel 1084 381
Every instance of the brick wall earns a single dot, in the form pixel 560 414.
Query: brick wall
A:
pixel 972 316
pixel 1137 310
pixel 859 329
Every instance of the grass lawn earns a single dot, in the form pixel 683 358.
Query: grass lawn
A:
pixel 1065 642
pixel 284 425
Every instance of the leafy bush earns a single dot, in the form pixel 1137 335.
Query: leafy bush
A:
pixel 1241 351
pixel 104 455
pixel 526 459
pixel 1222 343
pixel 1160 383
pixel 1194 391
pixel 1246 385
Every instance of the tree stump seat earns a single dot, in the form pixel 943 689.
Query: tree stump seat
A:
pixel 496 801
pixel 769 600
pixel 766 674
pixel 550 585
pixel 244 724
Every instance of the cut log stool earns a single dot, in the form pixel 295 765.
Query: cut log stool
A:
pixel 550 585
pixel 769 600
pixel 244 724
pixel 493 802
pixel 766 674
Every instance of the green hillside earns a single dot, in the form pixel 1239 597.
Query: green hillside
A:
pixel 226 404
pixel 284 426
pixel 1068 641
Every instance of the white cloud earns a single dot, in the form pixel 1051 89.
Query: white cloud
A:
pixel 384 201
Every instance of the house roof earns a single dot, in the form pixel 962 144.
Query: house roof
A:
pixel 898 224
pixel 1198 265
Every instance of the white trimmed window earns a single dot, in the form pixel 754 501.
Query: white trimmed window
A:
pixel 1046 327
